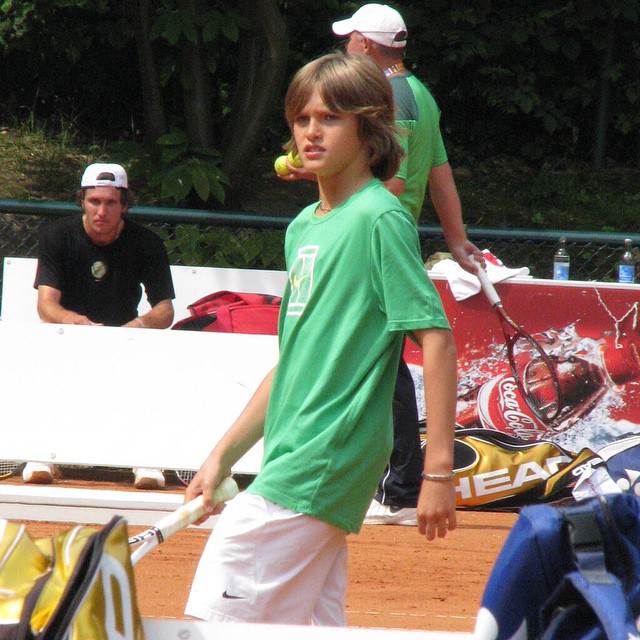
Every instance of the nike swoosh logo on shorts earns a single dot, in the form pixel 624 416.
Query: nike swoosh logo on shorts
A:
pixel 230 597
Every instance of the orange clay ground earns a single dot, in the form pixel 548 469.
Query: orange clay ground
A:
pixel 396 578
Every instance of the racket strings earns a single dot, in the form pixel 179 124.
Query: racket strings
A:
pixel 185 476
pixel 537 377
pixel 547 401
pixel 9 468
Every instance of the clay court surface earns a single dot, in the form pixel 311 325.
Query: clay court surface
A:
pixel 396 578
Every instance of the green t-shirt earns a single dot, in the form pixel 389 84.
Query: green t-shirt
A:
pixel 356 284
pixel 418 118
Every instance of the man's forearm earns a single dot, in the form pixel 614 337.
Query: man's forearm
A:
pixel 159 316
pixel 446 202
pixel 54 312
pixel 51 312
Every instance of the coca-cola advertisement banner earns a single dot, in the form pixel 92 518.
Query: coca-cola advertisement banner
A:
pixel 575 383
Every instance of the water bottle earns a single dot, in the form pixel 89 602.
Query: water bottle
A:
pixel 627 264
pixel 561 261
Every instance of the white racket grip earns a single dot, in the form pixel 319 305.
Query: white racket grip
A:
pixel 194 509
pixel 487 286
pixel 181 517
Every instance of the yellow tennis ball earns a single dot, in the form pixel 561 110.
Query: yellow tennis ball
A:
pixel 280 165
pixel 294 159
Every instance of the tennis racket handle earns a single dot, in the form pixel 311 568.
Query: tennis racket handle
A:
pixel 194 509
pixel 487 286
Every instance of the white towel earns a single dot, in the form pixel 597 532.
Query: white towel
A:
pixel 464 284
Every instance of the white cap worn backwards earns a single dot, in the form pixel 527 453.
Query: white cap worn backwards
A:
pixel 378 22
pixel 103 174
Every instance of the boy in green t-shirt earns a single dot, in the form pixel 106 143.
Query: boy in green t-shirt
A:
pixel 356 286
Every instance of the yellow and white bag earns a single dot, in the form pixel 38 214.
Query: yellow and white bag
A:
pixel 77 585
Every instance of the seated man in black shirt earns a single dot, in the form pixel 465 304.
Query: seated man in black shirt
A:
pixel 91 269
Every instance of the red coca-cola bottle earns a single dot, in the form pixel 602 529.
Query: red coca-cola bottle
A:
pixel 554 391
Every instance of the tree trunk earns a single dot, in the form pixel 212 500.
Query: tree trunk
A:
pixel 196 84
pixel 261 68
pixel 155 122
pixel 602 122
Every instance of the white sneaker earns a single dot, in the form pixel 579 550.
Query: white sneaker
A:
pixel 39 472
pixel 145 478
pixel 386 514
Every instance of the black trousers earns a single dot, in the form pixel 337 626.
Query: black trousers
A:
pixel 400 483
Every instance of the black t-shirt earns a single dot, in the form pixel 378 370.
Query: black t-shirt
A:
pixel 103 282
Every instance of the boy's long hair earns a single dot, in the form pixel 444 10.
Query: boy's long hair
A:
pixel 352 84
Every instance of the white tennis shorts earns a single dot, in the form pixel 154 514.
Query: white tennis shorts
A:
pixel 265 563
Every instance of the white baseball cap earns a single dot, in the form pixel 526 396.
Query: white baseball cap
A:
pixel 103 174
pixel 378 22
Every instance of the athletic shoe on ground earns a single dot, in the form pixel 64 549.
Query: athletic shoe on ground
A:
pixel 39 473
pixel 148 478
pixel 388 514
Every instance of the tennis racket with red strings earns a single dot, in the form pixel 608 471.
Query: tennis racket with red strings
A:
pixel 532 368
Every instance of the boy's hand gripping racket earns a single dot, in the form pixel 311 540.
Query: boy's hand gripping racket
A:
pixel 179 519
pixel 532 369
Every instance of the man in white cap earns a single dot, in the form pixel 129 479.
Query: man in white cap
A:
pixel 378 31
pixel 91 270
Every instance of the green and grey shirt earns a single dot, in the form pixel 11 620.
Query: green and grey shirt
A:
pixel 418 118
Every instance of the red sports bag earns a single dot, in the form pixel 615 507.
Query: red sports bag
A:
pixel 231 312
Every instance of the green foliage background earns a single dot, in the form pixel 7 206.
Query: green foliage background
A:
pixel 510 76
pixel 527 90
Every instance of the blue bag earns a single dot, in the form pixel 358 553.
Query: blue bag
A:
pixel 567 574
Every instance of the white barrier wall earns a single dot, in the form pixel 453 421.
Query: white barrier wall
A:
pixel 125 397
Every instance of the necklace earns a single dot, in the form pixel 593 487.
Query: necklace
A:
pixel 393 69
pixel 322 209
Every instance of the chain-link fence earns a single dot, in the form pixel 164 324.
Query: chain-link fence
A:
pixel 233 239
pixel 593 256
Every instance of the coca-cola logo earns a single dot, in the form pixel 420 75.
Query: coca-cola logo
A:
pixel 502 407
pixel 514 416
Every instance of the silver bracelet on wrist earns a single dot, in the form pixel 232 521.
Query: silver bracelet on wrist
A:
pixel 438 477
